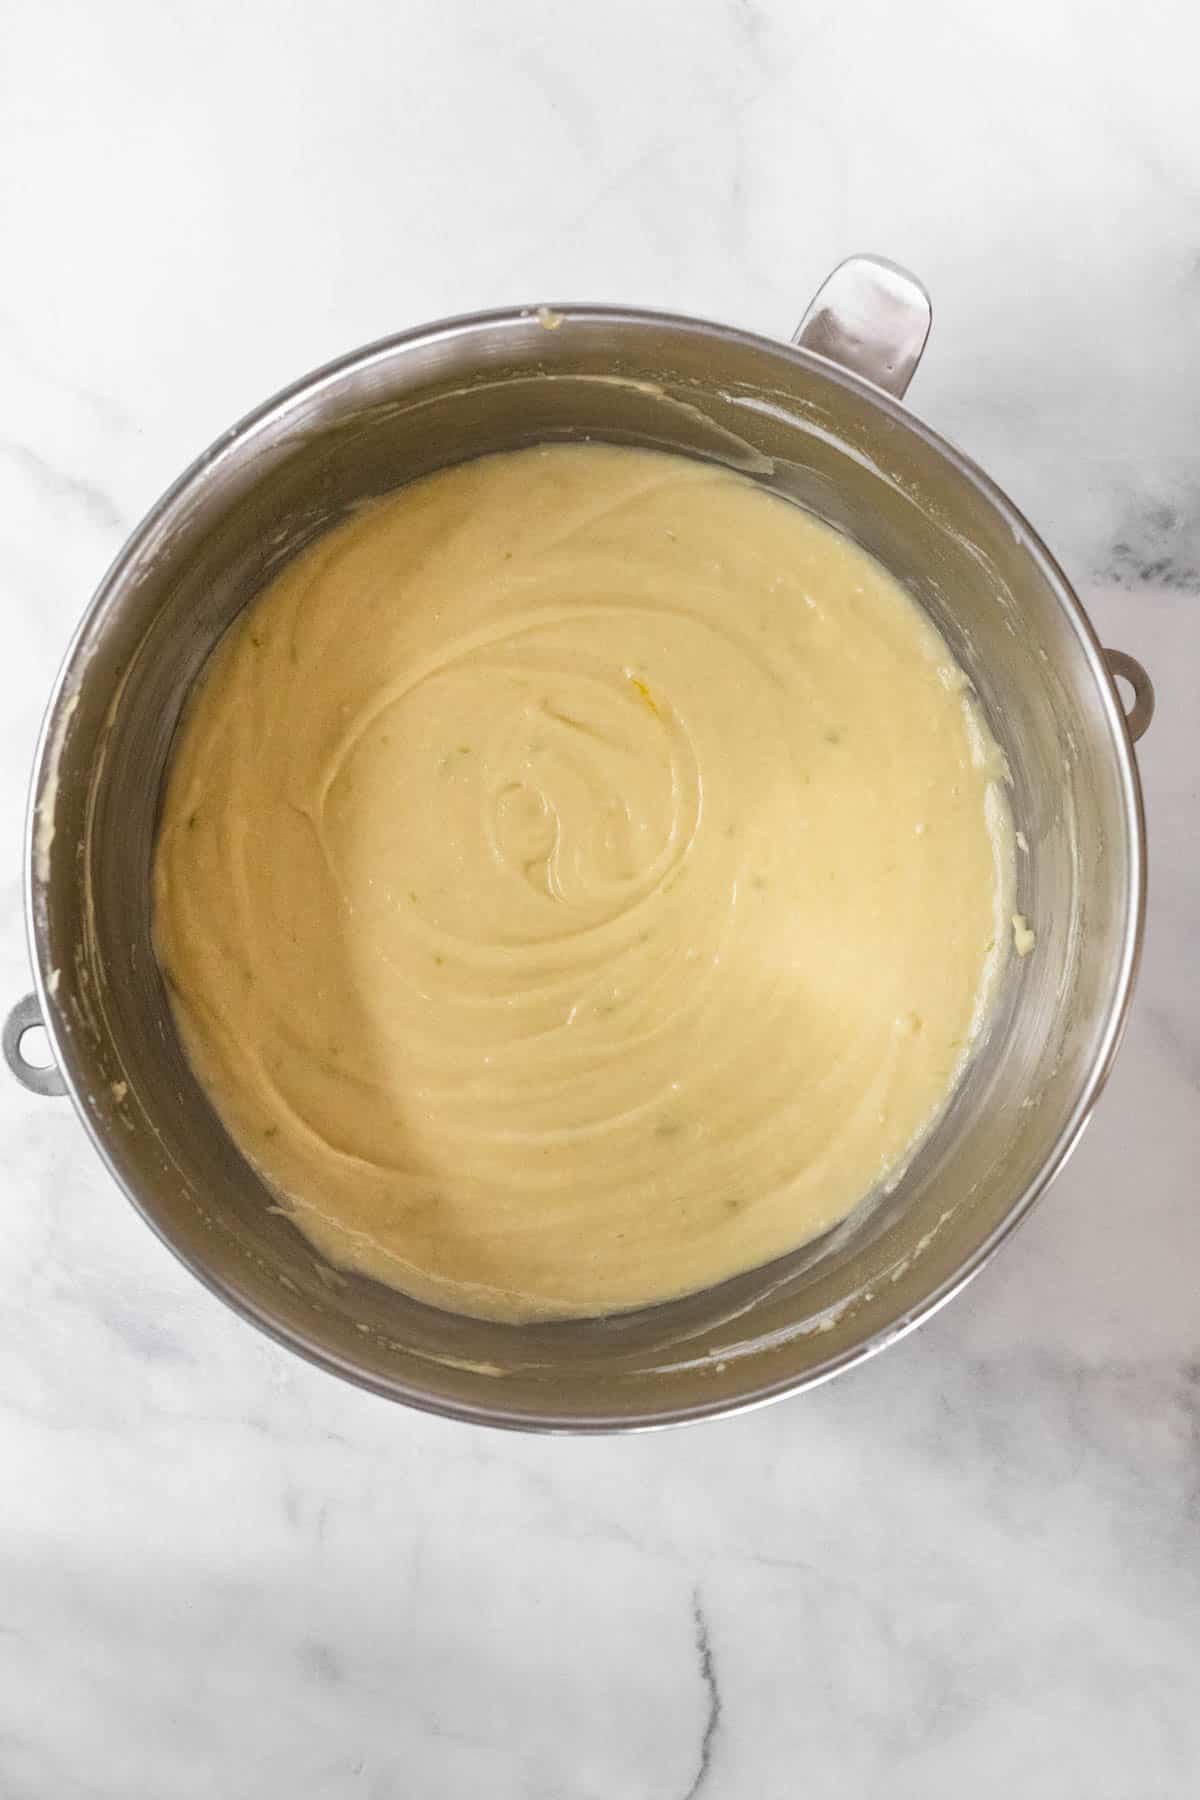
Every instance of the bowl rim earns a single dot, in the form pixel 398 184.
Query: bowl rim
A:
pixel 229 446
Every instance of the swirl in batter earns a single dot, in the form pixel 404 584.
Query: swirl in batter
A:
pixel 580 878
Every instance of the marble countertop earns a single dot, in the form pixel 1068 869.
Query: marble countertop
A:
pixel 971 1567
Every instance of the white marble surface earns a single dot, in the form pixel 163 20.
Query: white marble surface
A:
pixel 969 1568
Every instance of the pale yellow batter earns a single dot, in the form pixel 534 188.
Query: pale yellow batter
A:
pixel 580 878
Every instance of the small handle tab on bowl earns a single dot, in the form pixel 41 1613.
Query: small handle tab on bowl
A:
pixel 871 317
pixel 39 1078
pixel 1139 715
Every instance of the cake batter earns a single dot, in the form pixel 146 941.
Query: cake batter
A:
pixel 581 876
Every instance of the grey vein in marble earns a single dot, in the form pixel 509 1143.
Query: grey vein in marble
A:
pixel 712 1712
pixel 60 484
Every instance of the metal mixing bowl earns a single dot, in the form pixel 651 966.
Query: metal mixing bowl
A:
pixel 817 421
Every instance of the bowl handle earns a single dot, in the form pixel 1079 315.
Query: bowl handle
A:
pixel 871 317
pixel 39 1078
pixel 1139 715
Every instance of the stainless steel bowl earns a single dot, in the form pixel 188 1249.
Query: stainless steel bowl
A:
pixel 818 421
